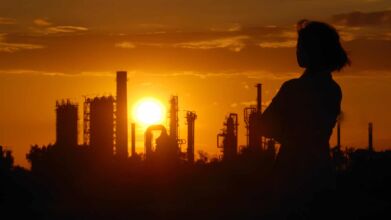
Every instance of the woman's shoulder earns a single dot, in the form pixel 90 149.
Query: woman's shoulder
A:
pixel 301 84
pixel 290 84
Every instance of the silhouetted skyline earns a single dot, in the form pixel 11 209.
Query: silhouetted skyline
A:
pixel 166 109
pixel 57 52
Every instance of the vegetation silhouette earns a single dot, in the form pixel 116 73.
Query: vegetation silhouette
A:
pixel 307 179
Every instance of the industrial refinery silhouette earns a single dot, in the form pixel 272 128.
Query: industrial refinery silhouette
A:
pixel 105 130
pixel 100 179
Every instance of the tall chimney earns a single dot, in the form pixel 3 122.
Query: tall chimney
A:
pixel 370 141
pixel 122 115
pixel 133 139
pixel 259 98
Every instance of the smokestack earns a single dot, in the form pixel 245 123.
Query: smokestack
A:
pixel 122 115
pixel 133 139
pixel 259 97
pixel 370 141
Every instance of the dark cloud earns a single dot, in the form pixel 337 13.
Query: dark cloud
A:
pixel 270 49
pixel 141 15
pixel 9 47
pixel 358 19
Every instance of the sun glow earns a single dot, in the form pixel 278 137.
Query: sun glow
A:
pixel 149 111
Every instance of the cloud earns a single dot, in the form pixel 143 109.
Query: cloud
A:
pixel 31 72
pixel 233 27
pixel 42 22
pixel 359 19
pixel 53 73
pixel 44 26
pixel 280 39
pixel 125 45
pixel 65 29
pixel 201 75
pixel 95 73
pixel 235 43
pixel 263 74
pixel 234 105
pixel 4 20
pixel 258 75
pixel 278 44
pixel 13 47
pixel 348 35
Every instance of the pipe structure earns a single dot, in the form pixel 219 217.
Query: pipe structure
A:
pixel 149 137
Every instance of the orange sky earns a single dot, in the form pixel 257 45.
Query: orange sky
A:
pixel 210 54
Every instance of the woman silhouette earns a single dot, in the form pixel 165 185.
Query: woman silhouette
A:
pixel 303 113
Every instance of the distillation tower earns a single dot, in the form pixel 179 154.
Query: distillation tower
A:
pixel 66 123
pixel 230 137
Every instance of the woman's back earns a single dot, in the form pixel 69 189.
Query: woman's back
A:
pixel 310 107
pixel 301 117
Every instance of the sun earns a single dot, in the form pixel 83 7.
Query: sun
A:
pixel 148 111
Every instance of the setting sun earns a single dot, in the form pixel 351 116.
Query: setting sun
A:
pixel 149 111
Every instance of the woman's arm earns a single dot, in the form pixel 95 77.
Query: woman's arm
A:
pixel 270 123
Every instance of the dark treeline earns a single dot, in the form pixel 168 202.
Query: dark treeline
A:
pixel 70 183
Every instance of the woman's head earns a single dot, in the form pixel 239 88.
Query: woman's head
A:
pixel 319 47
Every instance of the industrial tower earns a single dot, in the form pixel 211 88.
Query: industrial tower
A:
pixel 99 125
pixel 174 121
pixel 251 115
pixel 66 123
pixel 122 115
pixel 230 137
